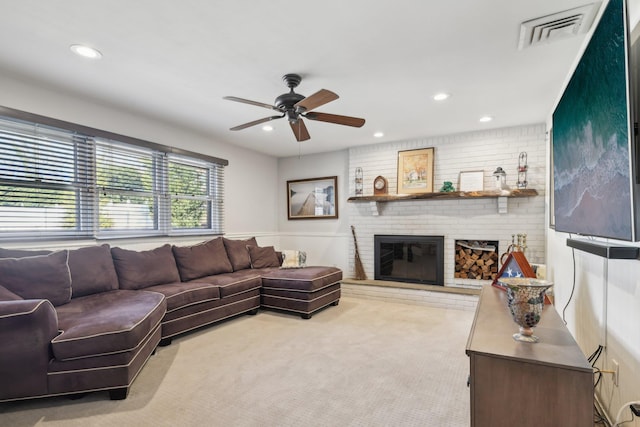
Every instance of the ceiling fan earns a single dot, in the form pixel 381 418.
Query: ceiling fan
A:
pixel 294 107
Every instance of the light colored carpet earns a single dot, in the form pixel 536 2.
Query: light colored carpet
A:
pixel 362 363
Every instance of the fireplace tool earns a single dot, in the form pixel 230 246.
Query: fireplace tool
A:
pixel 360 274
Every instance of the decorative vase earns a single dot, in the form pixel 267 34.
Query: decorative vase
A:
pixel 525 297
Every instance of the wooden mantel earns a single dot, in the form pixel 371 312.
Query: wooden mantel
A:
pixel 453 195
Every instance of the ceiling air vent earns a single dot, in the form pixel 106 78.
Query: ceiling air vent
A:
pixel 558 26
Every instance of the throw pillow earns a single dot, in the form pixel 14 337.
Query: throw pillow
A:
pixel 141 269
pixel 38 277
pixel 92 270
pixel 294 259
pixel 263 257
pixel 238 252
pixel 204 259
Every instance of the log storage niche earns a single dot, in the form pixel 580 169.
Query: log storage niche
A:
pixel 476 259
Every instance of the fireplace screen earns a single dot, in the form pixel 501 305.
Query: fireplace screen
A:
pixel 416 259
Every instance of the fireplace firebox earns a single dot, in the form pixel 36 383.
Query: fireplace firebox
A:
pixel 407 258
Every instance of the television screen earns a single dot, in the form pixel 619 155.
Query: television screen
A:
pixel 592 138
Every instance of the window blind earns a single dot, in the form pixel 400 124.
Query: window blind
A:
pixel 46 179
pixel 59 182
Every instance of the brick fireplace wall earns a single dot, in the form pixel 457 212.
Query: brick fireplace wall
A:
pixel 471 219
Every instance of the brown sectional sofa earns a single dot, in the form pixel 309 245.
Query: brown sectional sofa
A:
pixel 88 319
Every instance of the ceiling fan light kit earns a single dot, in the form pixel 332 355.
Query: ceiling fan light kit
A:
pixel 294 107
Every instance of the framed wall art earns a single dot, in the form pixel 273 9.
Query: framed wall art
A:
pixel 415 171
pixel 471 181
pixel 313 198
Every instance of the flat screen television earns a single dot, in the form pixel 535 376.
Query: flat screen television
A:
pixel 593 139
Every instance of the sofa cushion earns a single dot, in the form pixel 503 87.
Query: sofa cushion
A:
pixel 38 277
pixel 106 323
pixel 308 279
pixel 21 253
pixel 201 260
pixel 183 294
pixel 140 269
pixel 92 270
pixel 238 252
pixel 7 295
pixel 263 257
pixel 234 283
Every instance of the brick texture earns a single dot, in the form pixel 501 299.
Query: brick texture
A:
pixel 454 219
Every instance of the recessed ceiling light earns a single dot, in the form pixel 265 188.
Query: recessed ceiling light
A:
pixel 85 51
pixel 441 96
pixel 378 135
pixel 267 128
pixel 485 119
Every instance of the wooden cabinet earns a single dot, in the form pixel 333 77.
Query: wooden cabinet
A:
pixel 549 383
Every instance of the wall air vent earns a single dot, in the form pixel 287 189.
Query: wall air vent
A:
pixel 557 26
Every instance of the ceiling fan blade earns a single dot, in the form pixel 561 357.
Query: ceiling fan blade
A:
pixel 256 122
pixel 335 118
pixel 248 101
pixel 300 130
pixel 319 98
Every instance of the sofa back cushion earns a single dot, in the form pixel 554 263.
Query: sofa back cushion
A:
pixel 7 295
pixel 263 257
pixel 205 259
pixel 92 270
pixel 21 253
pixel 140 269
pixel 38 277
pixel 238 252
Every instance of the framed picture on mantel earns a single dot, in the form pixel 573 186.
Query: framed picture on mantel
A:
pixel 415 171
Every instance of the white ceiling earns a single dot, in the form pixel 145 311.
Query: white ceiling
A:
pixel 174 61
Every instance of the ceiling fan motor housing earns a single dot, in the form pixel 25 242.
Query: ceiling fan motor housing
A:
pixel 286 101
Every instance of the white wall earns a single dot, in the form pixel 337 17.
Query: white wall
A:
pixel 324 240
pixel 603 308
pixel 251 205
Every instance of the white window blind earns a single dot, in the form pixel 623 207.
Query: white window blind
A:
pixel 196 193
pixel 46 179
pixel 59 182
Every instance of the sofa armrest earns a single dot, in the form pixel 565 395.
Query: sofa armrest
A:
pixel 26 330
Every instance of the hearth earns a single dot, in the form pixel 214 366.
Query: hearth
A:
pixel 408 258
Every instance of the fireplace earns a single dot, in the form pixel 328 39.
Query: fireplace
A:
pixel 415 259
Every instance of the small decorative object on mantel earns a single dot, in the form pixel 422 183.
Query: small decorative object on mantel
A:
pixel 522 170
pixel 358 181
pixel 501 180
pixel 447 187
pixel 380 186
pixel 525 298
pixel 471 181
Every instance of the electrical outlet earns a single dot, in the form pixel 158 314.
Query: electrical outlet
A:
pixel 615 367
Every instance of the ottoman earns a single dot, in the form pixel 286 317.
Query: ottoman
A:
pixel 301 290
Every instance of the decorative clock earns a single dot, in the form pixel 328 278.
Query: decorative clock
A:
pixel 380 186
